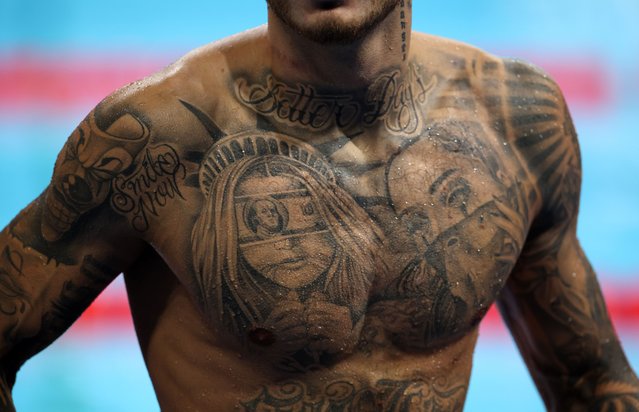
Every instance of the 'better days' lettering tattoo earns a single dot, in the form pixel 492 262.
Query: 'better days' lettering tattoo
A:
pixel 393 99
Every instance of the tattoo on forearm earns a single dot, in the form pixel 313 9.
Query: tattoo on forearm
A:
pixel 395 101
pixel 345 395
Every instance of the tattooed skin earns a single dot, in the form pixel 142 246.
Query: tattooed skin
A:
pixel 39 299
pixel 150 187
pixel 293 237
pixel 385 395
pixel 273 193
pixel 14 300
pixel 549 292
pixel 90 161
pixel 447 250
pixel 308 248
pixel 396 101
pixel 403 26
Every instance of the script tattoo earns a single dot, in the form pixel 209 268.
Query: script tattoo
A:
pixel 150 187
pixel 301 105
pixel 341 396
pixel 395 100
pixel 403 25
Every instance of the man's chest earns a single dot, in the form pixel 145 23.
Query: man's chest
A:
pixel 308 250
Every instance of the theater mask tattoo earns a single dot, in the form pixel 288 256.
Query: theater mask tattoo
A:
pixel 284 256
pixel 91 159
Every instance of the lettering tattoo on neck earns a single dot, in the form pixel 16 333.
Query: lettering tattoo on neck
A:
pixel 394 99
pixel 402 22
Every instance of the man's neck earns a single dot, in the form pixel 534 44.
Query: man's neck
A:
pixel 295 58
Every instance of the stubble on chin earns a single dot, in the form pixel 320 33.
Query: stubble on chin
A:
pixel 331 31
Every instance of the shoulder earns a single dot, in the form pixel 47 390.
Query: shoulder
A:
pixel 445 55
pixel 201 77
pixel 525 106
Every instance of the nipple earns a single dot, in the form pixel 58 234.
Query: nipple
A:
pixel 261 336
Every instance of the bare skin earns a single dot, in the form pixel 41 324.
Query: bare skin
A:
pixel 322 227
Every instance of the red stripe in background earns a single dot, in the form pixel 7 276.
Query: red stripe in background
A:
pixel 65 83
pixel 30 80
pixel 621 301
pixel 111 312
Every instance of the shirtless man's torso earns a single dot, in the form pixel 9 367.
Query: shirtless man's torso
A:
pixel 305 234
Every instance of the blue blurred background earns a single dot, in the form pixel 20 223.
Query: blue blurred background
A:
pixel 58 58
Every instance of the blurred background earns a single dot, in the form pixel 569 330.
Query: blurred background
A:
pixel 58 58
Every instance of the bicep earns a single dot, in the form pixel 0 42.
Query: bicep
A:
pixel 60 252
pixel 44 291
pixel 552 301
pixel 554 307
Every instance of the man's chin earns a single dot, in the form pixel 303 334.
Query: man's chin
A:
pixel 331 21
pixel 332 32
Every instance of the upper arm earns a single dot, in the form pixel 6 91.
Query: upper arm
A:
pixel 62 250
pixel 552 301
